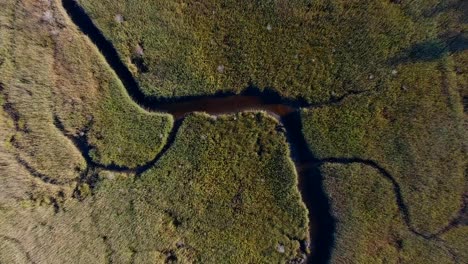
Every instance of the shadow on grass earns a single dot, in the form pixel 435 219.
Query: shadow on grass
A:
pixel 452 39
pixel 426 51
pixel 431 50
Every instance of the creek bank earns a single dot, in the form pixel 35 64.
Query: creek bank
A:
pixel 286 111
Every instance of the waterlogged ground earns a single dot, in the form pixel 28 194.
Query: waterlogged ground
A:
pixel 357 156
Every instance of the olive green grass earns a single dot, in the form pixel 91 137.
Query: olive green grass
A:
pixel 370 227
pixel 225 192
pixel 232 198
pixel 414 130
pixel 311 50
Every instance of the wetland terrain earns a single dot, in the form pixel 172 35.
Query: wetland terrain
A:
pixel 224 132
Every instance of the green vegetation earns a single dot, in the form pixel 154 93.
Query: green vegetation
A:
pixel 117 129
pixel 232 198
pixel 370 227
pixel 457 239
pixel 302 49
pixel 47 225
pixel 414 129
pixel 413 126
pixel 226 190
pixel 231 190
pixel 52 67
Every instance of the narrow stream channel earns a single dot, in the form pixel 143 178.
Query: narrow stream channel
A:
pixel 322 224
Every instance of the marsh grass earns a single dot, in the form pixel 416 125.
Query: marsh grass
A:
pixel 370 227
pixel 47 73
pixel 226 189
pixel 415 132
pixel 301 49
pixel 228 199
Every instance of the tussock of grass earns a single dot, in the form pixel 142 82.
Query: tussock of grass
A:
pixel 369 225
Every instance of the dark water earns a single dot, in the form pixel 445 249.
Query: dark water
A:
pixel 228 104
pixel 322 225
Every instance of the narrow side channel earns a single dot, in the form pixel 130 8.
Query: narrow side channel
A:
pixel 322 224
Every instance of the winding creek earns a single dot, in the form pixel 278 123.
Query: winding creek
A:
pixel 322 223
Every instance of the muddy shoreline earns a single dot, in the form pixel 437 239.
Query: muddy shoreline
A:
pixel 287 111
